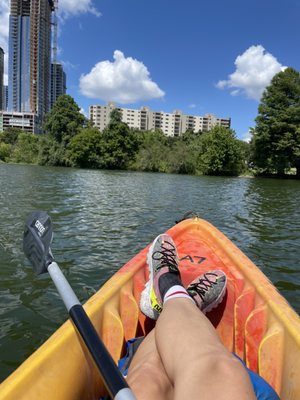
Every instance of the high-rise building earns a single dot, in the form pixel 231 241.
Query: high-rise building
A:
pixel 172 124
pixel 1 78
pixel 29 56
pixel 5 97
pixel 58 83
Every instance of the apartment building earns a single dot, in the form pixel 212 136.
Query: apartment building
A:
pixel 172 124
pixel 29 56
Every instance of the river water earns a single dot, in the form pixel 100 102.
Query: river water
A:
pixel 102 218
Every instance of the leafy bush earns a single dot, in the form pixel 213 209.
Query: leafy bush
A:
pixel 220 153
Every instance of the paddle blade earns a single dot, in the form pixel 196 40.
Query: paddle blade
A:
pixel 37 239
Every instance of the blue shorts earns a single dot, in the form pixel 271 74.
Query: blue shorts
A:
pixel 262 389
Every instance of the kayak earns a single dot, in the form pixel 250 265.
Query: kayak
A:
pixel 254 321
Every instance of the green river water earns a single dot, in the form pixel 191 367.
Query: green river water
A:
pixel 103 218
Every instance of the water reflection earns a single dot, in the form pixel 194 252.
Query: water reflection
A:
pixel 101 219
pixel 271 220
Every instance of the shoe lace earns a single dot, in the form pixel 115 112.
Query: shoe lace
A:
pixel 202 286
pixel 167 257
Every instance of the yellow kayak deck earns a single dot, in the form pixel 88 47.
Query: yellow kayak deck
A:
pixel 254 321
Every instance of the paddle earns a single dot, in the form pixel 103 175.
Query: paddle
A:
pixel 36 245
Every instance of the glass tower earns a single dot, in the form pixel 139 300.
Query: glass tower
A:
pixel 58 83
pixel 1 79
pixel 29 56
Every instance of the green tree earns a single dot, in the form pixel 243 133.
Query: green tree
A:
pixel 64 120
pixel 119 144
pixel 26 149
pixel 10 135
pixel 5 151
pixel 85 149
pixel 181 157
pixel 115 118
pixel 152 152
pixel 51 152
pixel 220 153
pixel 245 152
pixel 190 136
pixel 276 142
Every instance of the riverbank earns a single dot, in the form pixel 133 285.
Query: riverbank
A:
pixel 216 152
pixel 246 174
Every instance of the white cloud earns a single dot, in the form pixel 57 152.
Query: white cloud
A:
pixel 125 80
pixel 83 112
pixel 68 66
pixel 192 105
pixel 235 92
pixel 254 70
pixel 246 137
pixel 68 8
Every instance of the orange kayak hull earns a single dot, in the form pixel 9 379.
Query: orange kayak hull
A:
pixel 254 321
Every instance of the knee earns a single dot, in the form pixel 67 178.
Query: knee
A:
pixel 147 368
pixel 226 365
pixel 148 380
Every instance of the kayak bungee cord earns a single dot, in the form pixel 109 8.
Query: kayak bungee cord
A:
pixel 37 238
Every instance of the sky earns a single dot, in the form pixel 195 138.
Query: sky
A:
pixel 196 56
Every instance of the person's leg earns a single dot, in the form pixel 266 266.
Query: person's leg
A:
pixel 146 375
pixel 196 362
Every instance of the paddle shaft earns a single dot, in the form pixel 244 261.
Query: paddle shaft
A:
pixel 112 378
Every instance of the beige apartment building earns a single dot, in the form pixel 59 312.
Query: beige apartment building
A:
pixel 172 124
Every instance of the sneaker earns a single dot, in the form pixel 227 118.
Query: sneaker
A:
pixel 208 290
pixel 162 258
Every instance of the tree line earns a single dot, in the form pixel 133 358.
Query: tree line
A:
pixel 71 140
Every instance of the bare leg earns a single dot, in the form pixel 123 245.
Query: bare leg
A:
pixel 195 360
pixel 147 376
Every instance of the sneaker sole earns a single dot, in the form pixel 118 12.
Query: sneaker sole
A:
pixel 145 301
pixel 152 294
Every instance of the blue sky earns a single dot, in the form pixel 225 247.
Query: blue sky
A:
pixel 195 56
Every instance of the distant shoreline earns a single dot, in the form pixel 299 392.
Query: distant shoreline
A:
pixel 245 175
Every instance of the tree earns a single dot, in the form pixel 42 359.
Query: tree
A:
pixel 5 151
pixel 181 158
pixel 190 136
pixel 119 144
pixel 245 152
pixel 64 120
pixel 220 153
pixel 115 118
pixel 26 149
pixel 276 142
pixel 152 152
pixel 85 149
pixel 51 152
pixel 10 135
pixel 8 139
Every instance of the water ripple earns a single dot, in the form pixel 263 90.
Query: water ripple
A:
pixel 101 219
